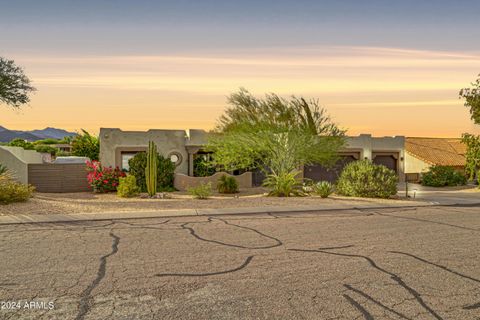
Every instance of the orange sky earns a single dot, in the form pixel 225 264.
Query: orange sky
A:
pixel 381 91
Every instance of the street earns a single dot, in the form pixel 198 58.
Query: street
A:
pixel 407 263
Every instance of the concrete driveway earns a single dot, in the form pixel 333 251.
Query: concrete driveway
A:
pixel 466 195
pixel 410 263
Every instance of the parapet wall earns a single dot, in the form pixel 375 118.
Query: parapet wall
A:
pixel 183 182
pixel 16 159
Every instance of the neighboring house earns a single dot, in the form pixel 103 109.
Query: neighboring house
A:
pixel 64 147
pixel 422 153
pixel 117 147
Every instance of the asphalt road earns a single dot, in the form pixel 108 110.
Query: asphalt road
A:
pixel 417 263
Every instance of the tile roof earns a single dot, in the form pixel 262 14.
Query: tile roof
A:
pixel 437 151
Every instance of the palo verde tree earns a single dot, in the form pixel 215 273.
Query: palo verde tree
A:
pixel 472 101
pixel 276 135
pixel 15 86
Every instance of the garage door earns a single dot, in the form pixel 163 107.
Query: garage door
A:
pixel 388 160
pixel 320 173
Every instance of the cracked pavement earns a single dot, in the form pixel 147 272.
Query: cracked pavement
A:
pixel 411 263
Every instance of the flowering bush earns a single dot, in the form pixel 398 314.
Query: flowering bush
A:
pixel 103 179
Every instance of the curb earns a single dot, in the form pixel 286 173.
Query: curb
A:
pixel 172 213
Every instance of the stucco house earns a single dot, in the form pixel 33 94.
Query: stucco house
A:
pixel 181 146
pixel 422 153
pixel 388 151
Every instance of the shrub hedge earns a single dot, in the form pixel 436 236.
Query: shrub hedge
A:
pixel 366 179
pixel 442 176
pixel 11 190
pixel 202 191
pixel 227 184
pixel 127 187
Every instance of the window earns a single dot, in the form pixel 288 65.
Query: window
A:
pixel 125 157
pixel 175 157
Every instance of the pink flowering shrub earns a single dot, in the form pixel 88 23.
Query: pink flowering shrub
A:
pixel 103 179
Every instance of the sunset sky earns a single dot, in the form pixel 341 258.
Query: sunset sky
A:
pixel 380 67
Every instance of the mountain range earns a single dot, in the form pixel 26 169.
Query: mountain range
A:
pixel 7 135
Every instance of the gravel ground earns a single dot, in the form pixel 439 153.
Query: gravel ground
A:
pixel 65 203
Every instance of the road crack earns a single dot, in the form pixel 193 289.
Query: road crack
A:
pixel 86 300
pixel 243 265
pixel 437 265
pixel 378 303
pixel 392 275
pixel 198 237
pixel 359 307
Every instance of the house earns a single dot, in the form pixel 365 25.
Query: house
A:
pixel 64 147
pixel 422 153
pixel 181 146
pixel 118 146
pixel 388 151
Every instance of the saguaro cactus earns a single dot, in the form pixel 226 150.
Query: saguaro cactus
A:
pixel 151 169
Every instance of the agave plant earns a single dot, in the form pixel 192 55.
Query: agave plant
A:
pixel 284 184
pixel 323 188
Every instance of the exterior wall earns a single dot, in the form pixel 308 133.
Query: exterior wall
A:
pixel 58 177
pixel 186 143
pixel 114 141
pixel 415 165
pixel 17 159
pixel 183 182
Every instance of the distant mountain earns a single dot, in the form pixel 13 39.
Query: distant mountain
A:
pixel 7 135
pixel 52 133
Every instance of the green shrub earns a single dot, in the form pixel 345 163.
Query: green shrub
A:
pixel 42 148
pixel 165 172
pixel 47 141
pixel 203 166
pixel 86 145
pixel 127 187
pixel 227 184
pixel 18 142
pixel 284 184
pixel 441 176
pixel 13 191
pixel 323 188
pixel 365 179
pixel 202 191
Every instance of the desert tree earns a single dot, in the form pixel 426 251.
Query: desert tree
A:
pixel 276 135
pixel 15 87
pixel 471 95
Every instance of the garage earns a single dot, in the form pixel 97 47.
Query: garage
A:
pixel 388 159
pixel 321 173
